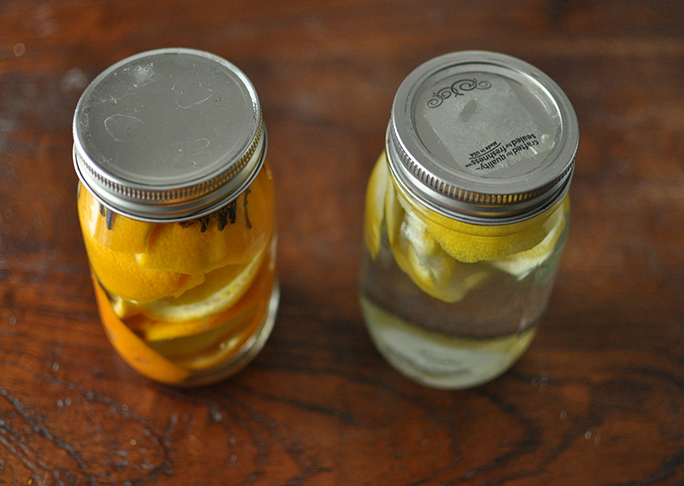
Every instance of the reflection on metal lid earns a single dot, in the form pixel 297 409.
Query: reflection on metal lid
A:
pixel 168 134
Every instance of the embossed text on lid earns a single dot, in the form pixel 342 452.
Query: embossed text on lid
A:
pixel 482 136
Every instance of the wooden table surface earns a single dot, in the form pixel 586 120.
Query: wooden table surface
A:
pixel 597 400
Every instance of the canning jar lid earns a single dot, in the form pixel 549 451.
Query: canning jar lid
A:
pixel 482 137
pixel 168 135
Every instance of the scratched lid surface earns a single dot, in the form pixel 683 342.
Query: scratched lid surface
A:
pixel 482 137
pixel 169 134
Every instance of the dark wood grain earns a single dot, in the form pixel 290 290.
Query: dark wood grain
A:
pixel 597 400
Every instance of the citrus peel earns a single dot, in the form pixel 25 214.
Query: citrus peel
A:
pixel 220 289
pixel 201 248
pixel 470 243
pixel 375 205
pixel 125 235
pixel 118 271
pixel 120 274
pixel 219 337
pixel 445 257
pixel 523 263
pixel 176 299
pixel 133 349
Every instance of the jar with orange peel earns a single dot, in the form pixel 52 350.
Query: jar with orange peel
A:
pixel 466 217
pixel 176 205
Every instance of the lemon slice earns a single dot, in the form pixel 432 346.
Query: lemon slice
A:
pixel 522 264
pixel 375 205
pixel 221 289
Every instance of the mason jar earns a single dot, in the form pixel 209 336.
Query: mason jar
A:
pixel 176 205
pixel 466 217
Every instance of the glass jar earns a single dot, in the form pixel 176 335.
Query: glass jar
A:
pixel 466 217
pixel 176 204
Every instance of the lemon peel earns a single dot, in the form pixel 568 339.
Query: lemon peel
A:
pixel 221 289
pixel 421 257
pixel 429 263
pixel 394 213
pixel 469 243
pixel 523 263
pixel 416 252
pixel 375 205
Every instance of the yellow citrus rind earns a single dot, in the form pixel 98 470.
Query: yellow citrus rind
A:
pixel 125 235
pixel 523 263
pixel 446 258
pixel 221 289
pixel 470 243
pixel 375 205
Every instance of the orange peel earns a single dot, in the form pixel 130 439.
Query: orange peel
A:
pixel 189 250
pixel 137 265
pixel 133 349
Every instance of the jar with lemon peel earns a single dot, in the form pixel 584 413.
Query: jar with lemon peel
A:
pixel 466 217
pixel 176 205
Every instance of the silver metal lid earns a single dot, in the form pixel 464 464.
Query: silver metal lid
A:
pixel 482 137
pixel 168 135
